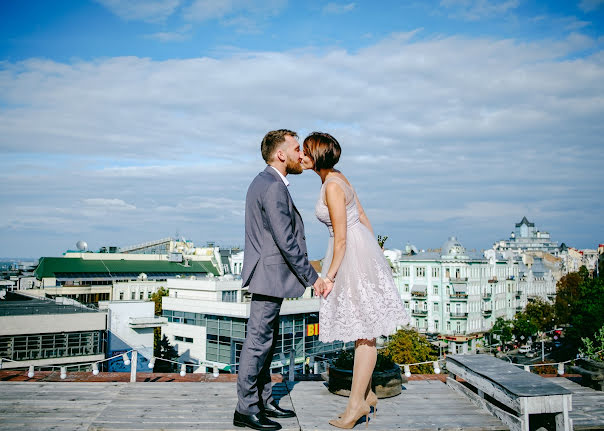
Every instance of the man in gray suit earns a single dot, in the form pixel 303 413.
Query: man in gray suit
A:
pixel 275 266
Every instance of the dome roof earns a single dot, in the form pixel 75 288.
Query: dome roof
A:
pixel 452 247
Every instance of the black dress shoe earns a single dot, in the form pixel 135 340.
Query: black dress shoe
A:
pixel 258 422
pixel 273 410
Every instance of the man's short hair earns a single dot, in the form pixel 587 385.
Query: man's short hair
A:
pixel 323 149
pixel 272 140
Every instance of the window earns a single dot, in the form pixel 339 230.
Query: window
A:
pixel 435 290
pixel 133 295
pixel 448 326
pixel 436 325
pixel 407 287
pixel 435 272
pixel 405 271
pixel 420 271
pixel 229 296
pixel 185 339
pixel 448 308
pixel 435 307
pixel 458 327
pixel 149 295
pixel 140 295
pixel 406 305
pixel 121 296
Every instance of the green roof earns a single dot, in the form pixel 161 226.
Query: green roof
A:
pixel 51 266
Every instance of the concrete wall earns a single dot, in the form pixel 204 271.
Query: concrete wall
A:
pixel 50 323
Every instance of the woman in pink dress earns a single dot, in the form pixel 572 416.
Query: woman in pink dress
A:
pixel 361 301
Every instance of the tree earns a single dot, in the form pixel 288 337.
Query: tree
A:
pixel 407 346
pixel 503 330
pixel 586 310
pixel 567 292
pixel 524 326
pixel 166 351
pixel 541 314
pixel 157 298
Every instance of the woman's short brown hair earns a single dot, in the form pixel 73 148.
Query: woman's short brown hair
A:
pixel 323 149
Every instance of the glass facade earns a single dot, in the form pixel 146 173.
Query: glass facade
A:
pixel 225 336
pixel 45 346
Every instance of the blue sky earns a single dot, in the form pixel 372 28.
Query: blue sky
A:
pixel 124 121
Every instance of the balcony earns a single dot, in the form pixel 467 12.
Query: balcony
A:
pixel 419 313
pixel 458 296
pixel 147 322
pixel 458 315
pixel 458 280
pixel 493 280
pixel 487 313
pixel 419 295
pixel 486 296
pixel 519 308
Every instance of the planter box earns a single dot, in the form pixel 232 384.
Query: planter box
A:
pixel 592 373
pixel 385 384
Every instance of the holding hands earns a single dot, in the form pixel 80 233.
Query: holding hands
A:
pixel 323 286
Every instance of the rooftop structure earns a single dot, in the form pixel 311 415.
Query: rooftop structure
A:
pixel 88 277
pixel 157 404
pixel 526 237
pixel 43 332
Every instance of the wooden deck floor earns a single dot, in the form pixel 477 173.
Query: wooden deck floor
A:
pixel 62 406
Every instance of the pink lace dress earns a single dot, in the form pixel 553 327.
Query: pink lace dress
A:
pixel 364 302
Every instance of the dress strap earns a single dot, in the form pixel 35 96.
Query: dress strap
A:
pixel 348 189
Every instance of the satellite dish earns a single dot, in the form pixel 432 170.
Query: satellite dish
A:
pixel 82 246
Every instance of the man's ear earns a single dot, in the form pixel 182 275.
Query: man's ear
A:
pixel 280 155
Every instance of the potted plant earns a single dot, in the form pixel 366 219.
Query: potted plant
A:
pixel 386 380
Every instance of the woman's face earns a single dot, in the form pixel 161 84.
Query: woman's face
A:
pixel 307 162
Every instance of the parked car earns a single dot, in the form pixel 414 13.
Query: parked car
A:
pixel 531 354
pixel 524 349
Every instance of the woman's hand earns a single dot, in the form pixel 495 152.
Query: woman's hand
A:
pixel 328 287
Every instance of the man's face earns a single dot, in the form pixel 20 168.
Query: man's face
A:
pixel 293 154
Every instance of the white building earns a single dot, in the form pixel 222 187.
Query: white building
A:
pixel 207 322
pixel 526 237
pixel 459 295
pixel 140 290
pixel 130 325
pixel 42 332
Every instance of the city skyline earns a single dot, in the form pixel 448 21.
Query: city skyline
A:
pixel 127 121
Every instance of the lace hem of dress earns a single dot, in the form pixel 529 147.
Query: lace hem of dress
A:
pixel 372 333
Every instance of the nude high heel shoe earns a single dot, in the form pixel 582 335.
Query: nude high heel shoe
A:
pixel 372 400
pixel 363 411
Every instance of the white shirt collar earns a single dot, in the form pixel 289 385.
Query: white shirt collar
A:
pixel 281 175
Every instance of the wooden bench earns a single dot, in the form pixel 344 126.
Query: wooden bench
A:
pixel 522 400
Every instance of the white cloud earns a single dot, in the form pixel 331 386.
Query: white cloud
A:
pixel 473 10
pixel 182 34
pixel 203 10
pixel 590 5
pixel 440 136
pixel 144 10
pixel 108 204
pixel 338 8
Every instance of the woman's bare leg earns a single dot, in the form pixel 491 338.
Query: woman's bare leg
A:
pixel 365 357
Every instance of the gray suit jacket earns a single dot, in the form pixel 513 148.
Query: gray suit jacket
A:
pixel 275 262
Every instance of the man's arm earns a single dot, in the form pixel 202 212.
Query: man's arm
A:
pixel 280 224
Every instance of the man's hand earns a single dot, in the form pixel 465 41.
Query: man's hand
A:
pixel 319 286
pixel 328 287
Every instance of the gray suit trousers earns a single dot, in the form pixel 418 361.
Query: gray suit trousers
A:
pixel 254 376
